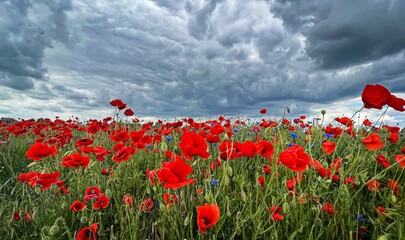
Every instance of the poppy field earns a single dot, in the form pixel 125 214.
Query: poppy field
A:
pixel 225 178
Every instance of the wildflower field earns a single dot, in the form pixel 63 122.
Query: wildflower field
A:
pixel 122 178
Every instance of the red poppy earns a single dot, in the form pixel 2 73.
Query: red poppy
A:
pixel 118 103
pixel 261 181
pixel 146 205
pixel 75 160
pixel 381 210
pixel 275 213
pixel 211 138
pixel 329 147
pixel 295 158
pixel 92 192
pixel 82 142
pixel 128 112
pixel 263 111
pixel 102 202
pixel 119 136
pixel 128 200
pixel 396 103
pixel 373 142
pixel 394 186
pixel 123 154
pixel 77 206
pixel 345 121
pixel 207 216
pixel 217 129
pixel 45 180
pixel 174 174
pixel 383 161
pixel 401 159
pixel 328 207
pixel 367 123
pixel 393 138
pixel 38 151
pixel 170 199
pixel 192 144
pixel 87 233
pixel 265 149
pixel 375 96
pixel 373 185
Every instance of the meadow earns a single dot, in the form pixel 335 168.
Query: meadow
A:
pixel 122 178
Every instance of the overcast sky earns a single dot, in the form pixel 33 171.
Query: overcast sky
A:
pixel 191 58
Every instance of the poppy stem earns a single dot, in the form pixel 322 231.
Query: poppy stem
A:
pixel 354 114
pixel 375 124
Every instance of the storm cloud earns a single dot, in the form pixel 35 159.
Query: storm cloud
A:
pixel 198 58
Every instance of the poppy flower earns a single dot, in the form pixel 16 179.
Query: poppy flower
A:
pixel 383 161
pixel 92 192
pixel 329 147
pixel 128 112
pixel 128 200
pixel 207 216
pixel 263 111
pixel 39 150
pixel 275 213
pixel 217 129
pixel 373 185
pixel 123 154
pixel 146 205
pixel 82 142
pixel 77 206
pixel 295 158
pixel 118 103
pixel 396 103
pixel 375 96
pixel 373 142
pixel 174 174
pixel 401 159
pixel 328 207
pixel 119 136
pixel 102 202
pixel 75 160
pixel 87 233
pixel 192 144
pixel 45 180
pixel 367 123
pixel 265 149
pixel 394 186
pixel 170 199
pixel 261 181
pixel 381 210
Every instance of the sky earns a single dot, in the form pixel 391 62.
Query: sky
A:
pixel 199 58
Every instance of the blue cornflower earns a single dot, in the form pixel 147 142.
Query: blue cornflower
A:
pixel 329 135
pixel 293 135
pixel 214 182
pixel 360 217
pixel 290 145
pixel 168 138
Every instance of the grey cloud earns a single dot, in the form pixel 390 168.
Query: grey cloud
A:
pixel 345 33
pixel 26 32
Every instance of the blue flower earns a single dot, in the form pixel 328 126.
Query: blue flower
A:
pixel 236 129
pixel 329 135
pixel 293 135
pixel 168 138
pixel 290 145
pixel 360 217
pixel 214 182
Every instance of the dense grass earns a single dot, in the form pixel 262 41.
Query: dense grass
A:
pixel 244 204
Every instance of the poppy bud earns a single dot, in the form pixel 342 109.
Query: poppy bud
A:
pixel 323 112
pixel 53 230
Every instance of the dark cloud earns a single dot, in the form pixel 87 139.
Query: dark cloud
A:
pixel 198 58
pixel 27 29
pixel 345 33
